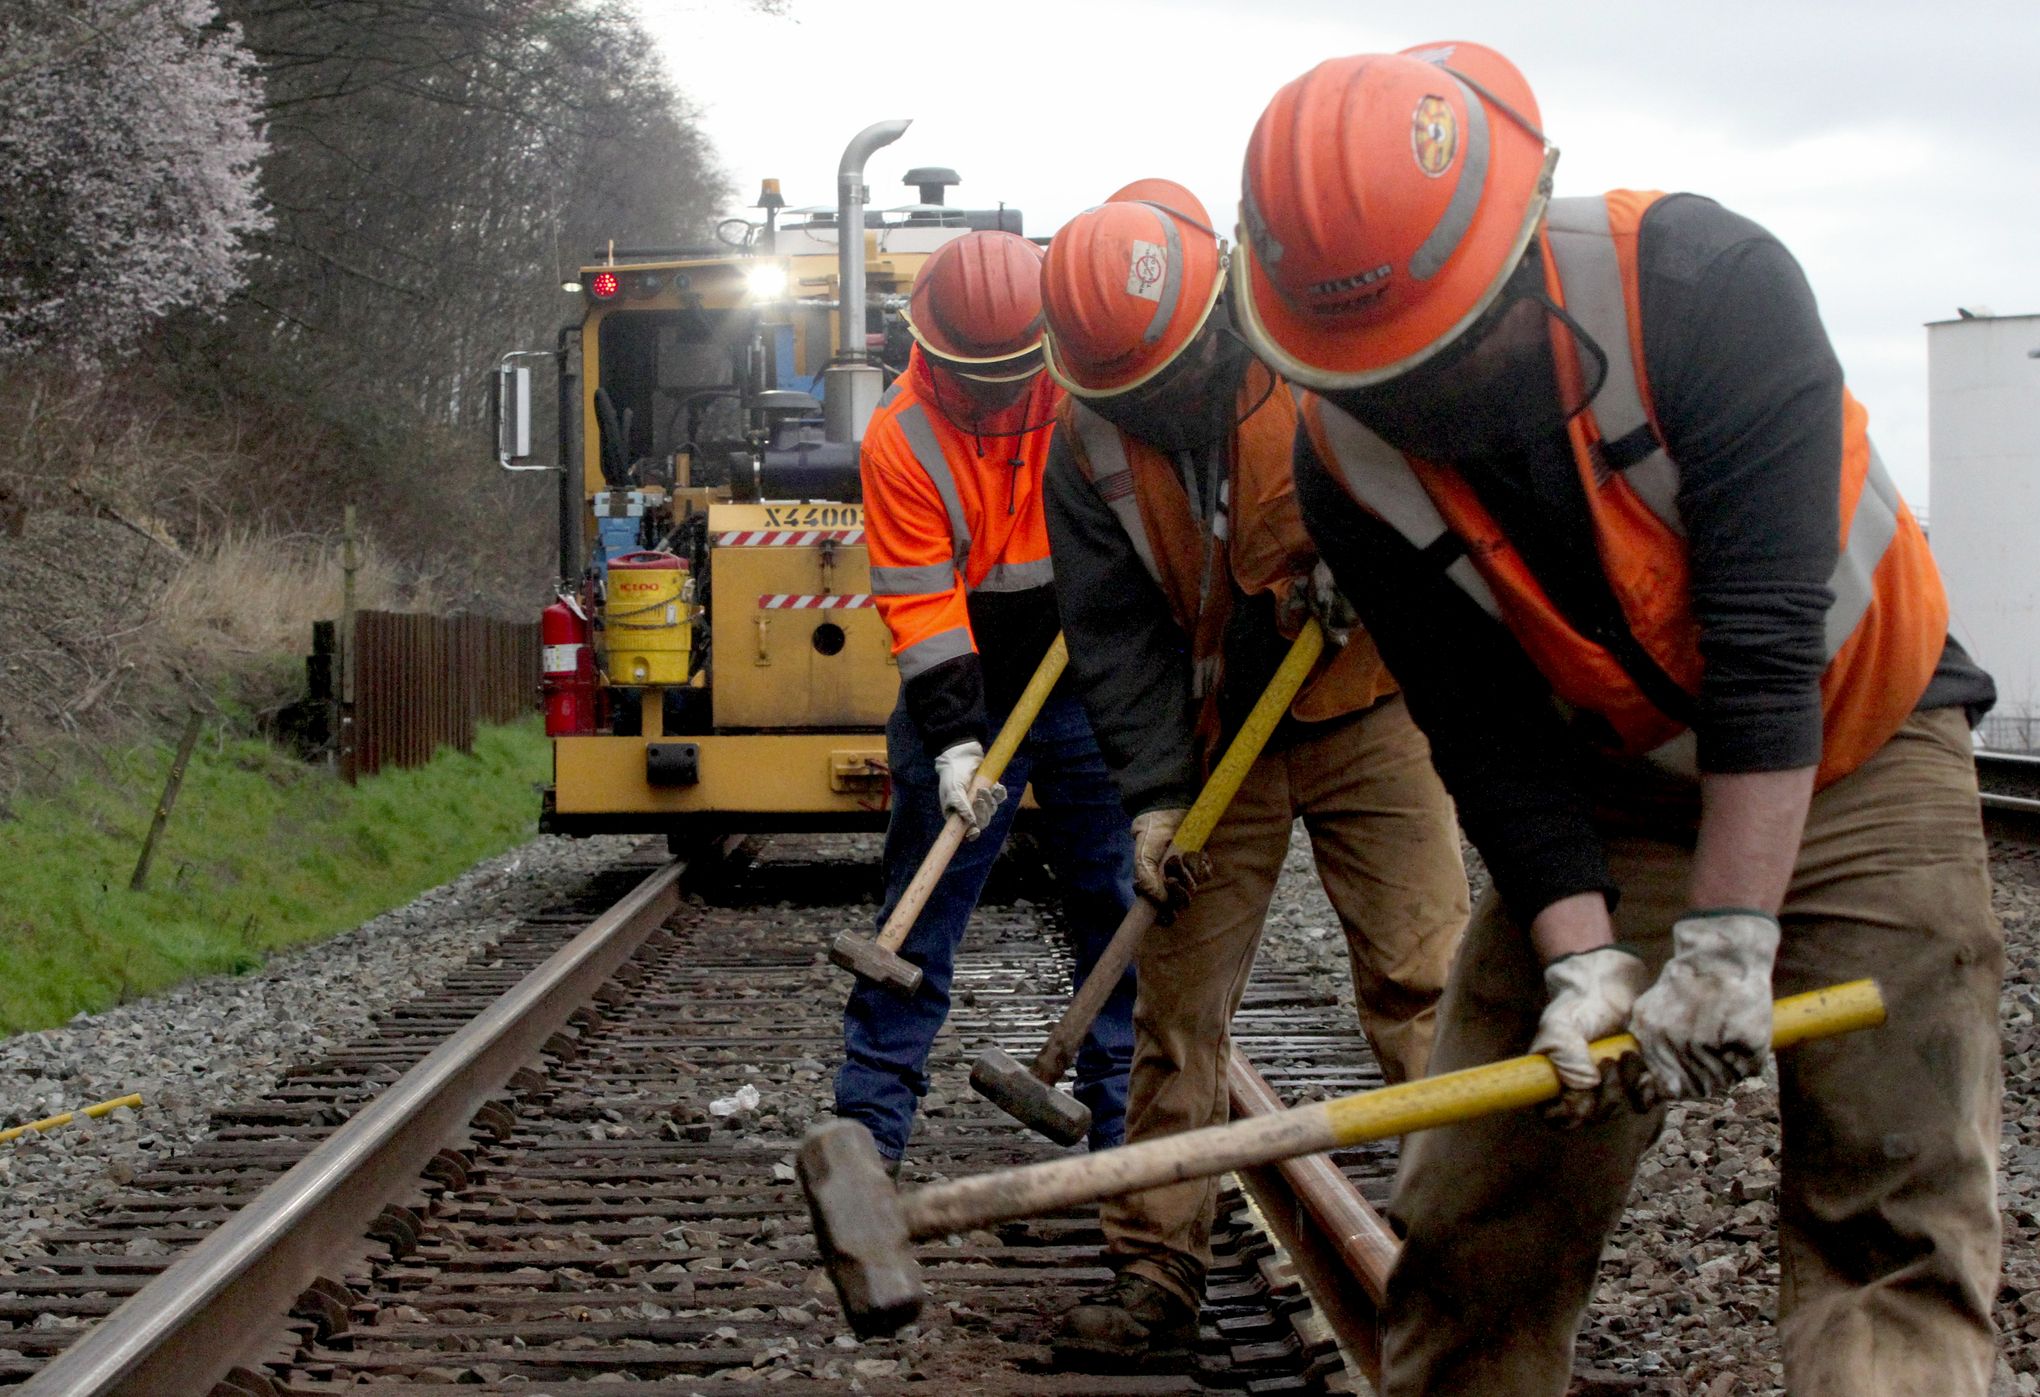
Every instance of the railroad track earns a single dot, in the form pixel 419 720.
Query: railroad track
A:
pixel 2010 786
pixel 515 1181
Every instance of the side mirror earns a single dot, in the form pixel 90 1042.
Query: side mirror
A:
pixel 510 408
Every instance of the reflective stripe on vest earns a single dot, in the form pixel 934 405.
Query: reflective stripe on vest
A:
pixel 1017 577
pixel 1104 463
pixel 924 655
pixel 921 441
pixel 1584 250
pixel 1590 274
pixel 938 577
pixel 1871 529
pixel 1112 477
pixel 915 581
pixel 1381 479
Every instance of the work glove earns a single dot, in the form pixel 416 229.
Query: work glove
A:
pixel 1168 879
pixel 955 769
pixel 1591 996
pixel 1316 594
pixel 1706 1023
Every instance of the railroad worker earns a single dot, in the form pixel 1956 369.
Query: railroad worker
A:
pixel 960 570
pixel 1588 470
pixel 1182 572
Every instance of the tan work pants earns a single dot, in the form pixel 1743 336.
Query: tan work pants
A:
pixel 1387 848
pixel 1887 1213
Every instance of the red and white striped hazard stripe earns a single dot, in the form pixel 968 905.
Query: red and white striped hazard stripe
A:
pixel 787 538
pixel 811 601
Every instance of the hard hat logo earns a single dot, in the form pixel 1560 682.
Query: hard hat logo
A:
pixel 1434 136
pixel 1383 265
pixel 1147 267
pixel 1128 286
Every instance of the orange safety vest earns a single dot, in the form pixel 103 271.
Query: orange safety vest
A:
pixel 1889 620
pixel 943 519
pixel 1256 532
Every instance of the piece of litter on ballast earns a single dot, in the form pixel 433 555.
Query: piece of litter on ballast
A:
pixel 745 1099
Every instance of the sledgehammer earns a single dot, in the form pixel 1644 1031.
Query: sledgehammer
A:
pixel 866 1228
pixel 1028 1094
pixel 879 960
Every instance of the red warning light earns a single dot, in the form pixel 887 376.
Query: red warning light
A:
pixel 604 285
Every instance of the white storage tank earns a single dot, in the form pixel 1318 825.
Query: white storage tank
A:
pixel 1983 455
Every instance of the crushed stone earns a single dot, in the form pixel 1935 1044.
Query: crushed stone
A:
pixel 223 1039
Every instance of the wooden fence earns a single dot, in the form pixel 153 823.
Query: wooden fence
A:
pixel 424 682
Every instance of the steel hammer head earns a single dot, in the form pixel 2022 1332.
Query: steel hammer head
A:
pixel 860 1228
pixel 1000 1079
pixel 869 961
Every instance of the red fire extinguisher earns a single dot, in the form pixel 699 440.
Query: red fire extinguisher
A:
pixel 567 669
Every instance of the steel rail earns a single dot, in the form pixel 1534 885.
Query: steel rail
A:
pixel 2008 784
pixel 1333 1235
pixel 220 1304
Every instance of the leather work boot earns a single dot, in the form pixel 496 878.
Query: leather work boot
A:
pixel 1132 1323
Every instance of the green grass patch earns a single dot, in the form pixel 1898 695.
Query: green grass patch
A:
pixel 261 853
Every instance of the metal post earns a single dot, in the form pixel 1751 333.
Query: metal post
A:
pixel 350 563
pixel 569 392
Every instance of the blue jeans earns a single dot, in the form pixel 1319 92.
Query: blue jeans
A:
pixel 886 1037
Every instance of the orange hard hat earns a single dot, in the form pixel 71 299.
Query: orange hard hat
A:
pixel 975 307
pixel 1386 200
pixel 1127 286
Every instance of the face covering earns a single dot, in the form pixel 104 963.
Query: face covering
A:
pixel 1493 392
pixel 986 407
pixel 1191 403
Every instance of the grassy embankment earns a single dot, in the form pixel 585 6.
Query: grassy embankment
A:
pixel 261 853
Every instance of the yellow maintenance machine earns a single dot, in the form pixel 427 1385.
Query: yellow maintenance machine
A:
pixel 714 663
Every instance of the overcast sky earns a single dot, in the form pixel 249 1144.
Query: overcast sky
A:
pixel 1893 145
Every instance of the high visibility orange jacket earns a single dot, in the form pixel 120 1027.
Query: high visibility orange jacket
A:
pixel 1254 540
pixel 1887 626
pixel 959 551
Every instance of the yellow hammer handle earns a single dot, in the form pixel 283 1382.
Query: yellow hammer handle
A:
pixel 1032 1190
pixel 1245 748
pixel 1526 1081
pixel 52 1122
pixel 1025 711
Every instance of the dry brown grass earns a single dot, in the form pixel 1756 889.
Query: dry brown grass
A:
pixel 253 596
pixel 167 541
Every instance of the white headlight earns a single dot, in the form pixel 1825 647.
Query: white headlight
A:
pixel 767 282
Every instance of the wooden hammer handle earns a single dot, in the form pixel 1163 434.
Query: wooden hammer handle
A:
pixel 1035 1189
pixel 1241 753
pixel 936 861
pixel 933 865
pixel 1060 1050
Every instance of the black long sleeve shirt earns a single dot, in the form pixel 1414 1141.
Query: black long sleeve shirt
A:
pixel 1747 392
pixel 1128 657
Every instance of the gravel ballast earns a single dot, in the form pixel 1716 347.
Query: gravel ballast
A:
pixel 1688 1290
pixel 226 1038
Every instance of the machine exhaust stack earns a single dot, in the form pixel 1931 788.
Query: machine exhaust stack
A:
pixel 851 385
